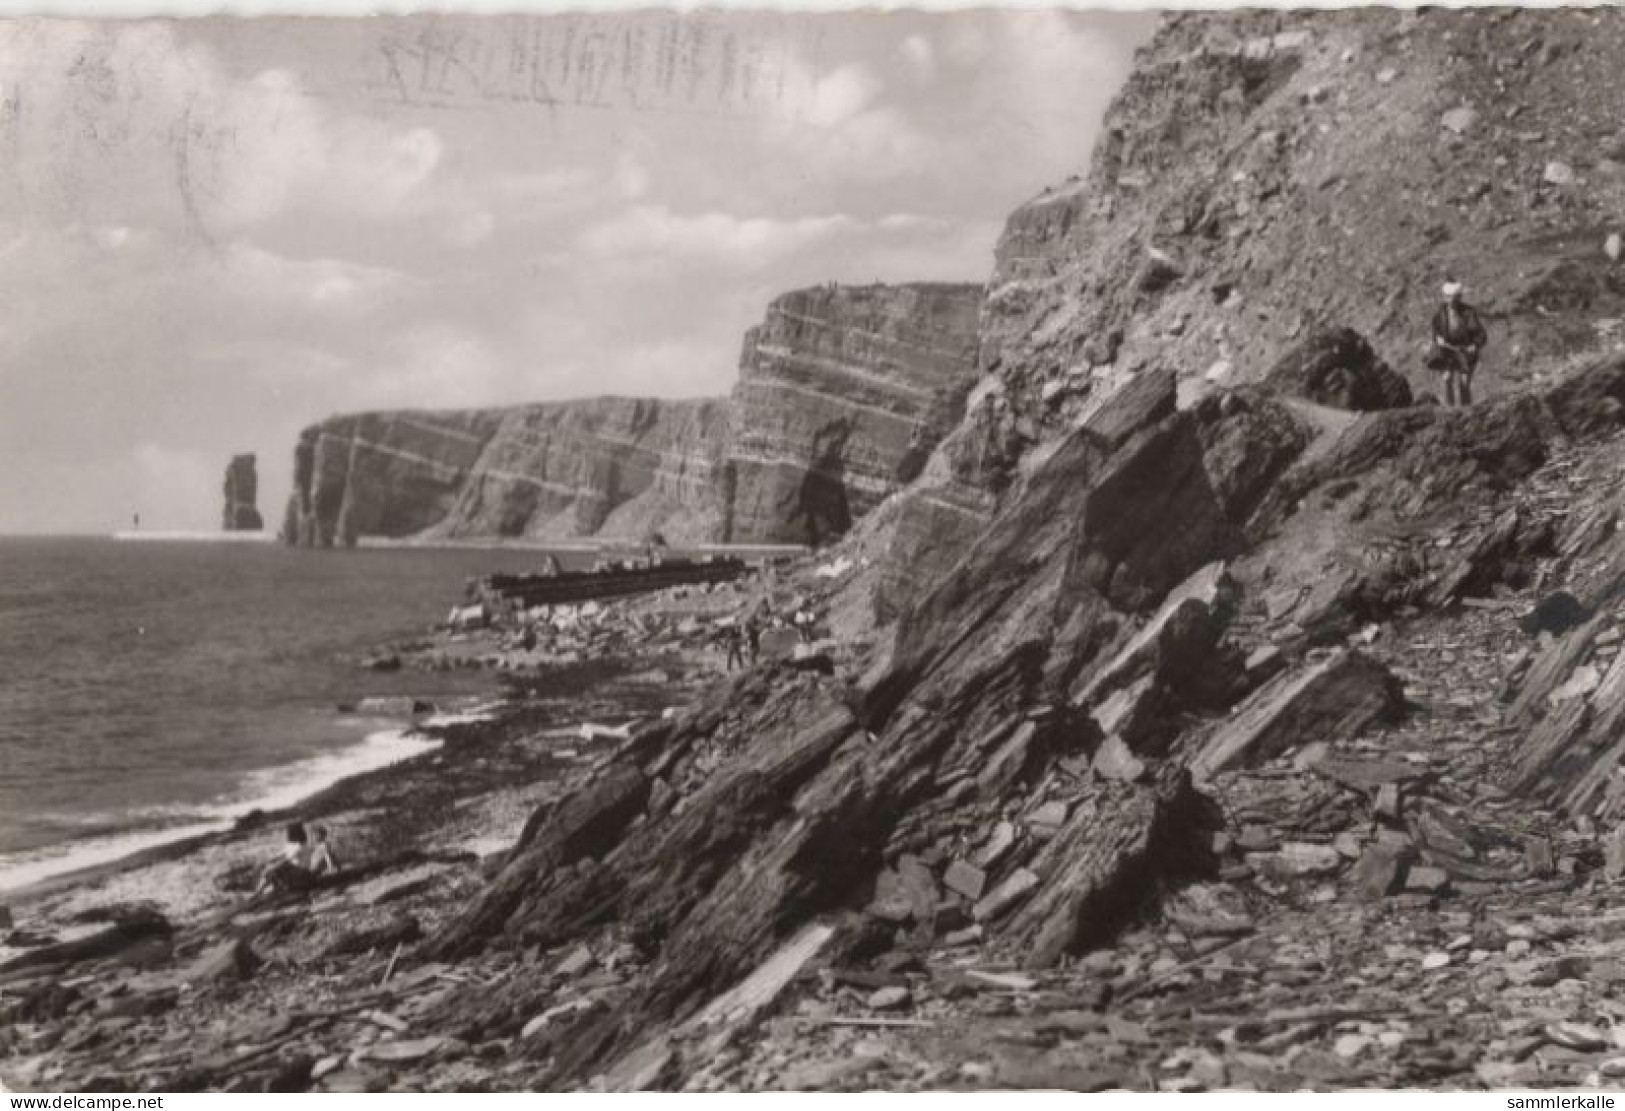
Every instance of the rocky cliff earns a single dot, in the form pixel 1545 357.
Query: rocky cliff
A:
pixel 1265 174
pixel 843 393
pixel 241 492
pixel 1241 719
pixel 383 474
pixel 1197 607
pixel 620 466
pixel 1269 180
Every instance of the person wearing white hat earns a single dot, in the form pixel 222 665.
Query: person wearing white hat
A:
pixel 1458 340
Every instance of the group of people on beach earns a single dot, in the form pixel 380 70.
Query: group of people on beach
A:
pixel 742 636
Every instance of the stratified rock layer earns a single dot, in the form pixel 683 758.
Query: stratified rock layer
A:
pixel 627 468
pixel 381 474
pixel 843 394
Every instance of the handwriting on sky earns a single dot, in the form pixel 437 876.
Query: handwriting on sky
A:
pixel 645 62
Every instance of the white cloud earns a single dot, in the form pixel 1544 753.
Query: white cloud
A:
pixel 674 367
pixel 286 150
pixel 631 176
pixel 258 275
pixel 118 237
pixel 127 120
pixel 435 365
pixel 655 232
pixel 838 96
pixel 280 362
pixel 838 125
pixel 542 186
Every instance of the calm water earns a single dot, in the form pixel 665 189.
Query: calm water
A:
pixel 147 687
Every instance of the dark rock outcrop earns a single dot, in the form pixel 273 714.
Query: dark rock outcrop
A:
pixel 1338 368
pixel 241 513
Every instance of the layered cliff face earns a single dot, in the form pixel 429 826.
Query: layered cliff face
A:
pixel 843 393
pixel 612 466
pixel 617 466
pixel 241 491
pixel 381 474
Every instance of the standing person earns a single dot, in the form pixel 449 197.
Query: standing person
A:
pixel 753 635
pixel 731 638
pixel 1458 340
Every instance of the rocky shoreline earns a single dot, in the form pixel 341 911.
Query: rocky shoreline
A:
pixel 1212 710
pixel 163 946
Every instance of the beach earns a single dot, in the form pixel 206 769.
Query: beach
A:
pixel 415 838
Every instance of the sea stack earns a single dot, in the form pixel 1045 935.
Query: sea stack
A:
pixel 241 491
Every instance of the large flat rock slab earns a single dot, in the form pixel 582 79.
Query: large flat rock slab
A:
pixel 1330 700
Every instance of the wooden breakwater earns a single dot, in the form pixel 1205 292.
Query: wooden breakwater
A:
pixel 610 580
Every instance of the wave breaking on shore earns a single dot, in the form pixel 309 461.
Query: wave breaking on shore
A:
pixel 268 789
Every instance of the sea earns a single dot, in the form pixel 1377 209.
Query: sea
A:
pixel 153 691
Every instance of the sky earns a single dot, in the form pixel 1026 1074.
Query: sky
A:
pixel 216 232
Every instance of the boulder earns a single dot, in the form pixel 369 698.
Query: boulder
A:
pixel 1380 871
pixel 1330 700
pixel 1176 639
pixel 1115 761
pixel 965 878
pixel 130 926
pixel 1142 401
pixel 1338 368
pixel 226 961
pixel 1459 120
pixel 397 930
pixel 1015 887
pixel 1131 716
pixel 1157 273
pixel 1094 866
pixel 1555 613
